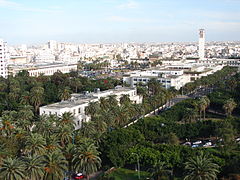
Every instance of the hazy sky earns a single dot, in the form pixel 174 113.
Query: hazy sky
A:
pixel 101 21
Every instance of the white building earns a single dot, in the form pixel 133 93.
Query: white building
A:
pixel 4 57
pixel 167 77
pixel 201 45
pixel 45 69
pixel 52 45
pixel 78 102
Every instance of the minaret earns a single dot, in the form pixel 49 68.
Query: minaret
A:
pixel 201 45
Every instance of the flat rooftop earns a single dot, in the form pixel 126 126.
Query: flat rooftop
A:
pixel 79 99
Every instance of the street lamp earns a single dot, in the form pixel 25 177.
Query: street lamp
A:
pixel 138 164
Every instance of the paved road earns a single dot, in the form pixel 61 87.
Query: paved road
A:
pixel 203 91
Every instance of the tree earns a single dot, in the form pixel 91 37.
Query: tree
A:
pixel 189 115
pixel 201 167
pixel 35 144
pixel 86 159
pixel 229 106
pixel 65 135
pixel 34 167
pixel 65 94
pixel 206 102
pixel 160 170
pixel 36 97
pixel 172 139
pixel 67 118
pixel 55 165
pixel 125 100
pixel 92 109
pixel 12 169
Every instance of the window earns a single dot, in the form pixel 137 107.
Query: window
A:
pixel 74 111
pixel 79 110
pixel 78 123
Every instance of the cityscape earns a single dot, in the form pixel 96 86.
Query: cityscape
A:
pixel 126 106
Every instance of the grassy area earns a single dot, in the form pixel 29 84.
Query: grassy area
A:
pixel 126 174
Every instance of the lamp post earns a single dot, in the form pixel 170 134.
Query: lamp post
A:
pixel 138 164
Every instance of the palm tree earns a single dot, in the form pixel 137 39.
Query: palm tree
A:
pixel 86 159
pixel 12 169
pixel 92 109
pixel 121 116
pixel 52 143
pixel 206 102
pixel 25 117
pixel 25 98
pixel 160 170
pixel 65 94
pixel 36 97
pixel 76 84
pixel 125 100
pixel 229 106
pixel 201 167
pixel 68 152
pixel 104 105
pixel 153 86
pixel 35 144
pixel 55 165
pixel 189 115
pixel 47 125
pixel 65 135
pixel 34 167
pixel 67 118
pixel 112 101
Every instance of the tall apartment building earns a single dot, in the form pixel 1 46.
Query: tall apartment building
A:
pixel 4 56
pixel 201 45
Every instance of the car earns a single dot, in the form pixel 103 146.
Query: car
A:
pixel 78 176
pixel 197 142
pixel 208 144
pixel 187 144
pixel 195 145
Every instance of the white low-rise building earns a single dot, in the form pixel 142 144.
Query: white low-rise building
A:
pixel 45 69
pixel 167 77
pixel 78 102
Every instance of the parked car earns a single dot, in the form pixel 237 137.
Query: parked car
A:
pixel 197 142
pixel 78 176
pixel 208 144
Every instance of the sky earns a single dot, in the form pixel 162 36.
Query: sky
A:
pixel 113 21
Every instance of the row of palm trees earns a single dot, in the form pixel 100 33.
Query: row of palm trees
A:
pixel 200 106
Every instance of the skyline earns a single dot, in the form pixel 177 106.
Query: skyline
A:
pixel 113 21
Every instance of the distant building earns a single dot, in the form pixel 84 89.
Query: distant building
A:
pixel 167 77
pixel 78 103
pixel 4 57
pixel 52 45
pixel 201 45
pixel 45 69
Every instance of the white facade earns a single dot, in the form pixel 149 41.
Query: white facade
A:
pixel 4 57
pixel 78 102
pixel 45 69
pixel 166 80
pixel 201 45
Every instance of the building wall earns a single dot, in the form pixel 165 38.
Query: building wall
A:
pixel 78 110
pixel 47 70
pixel 4 57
